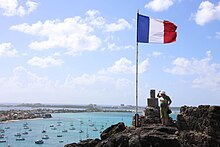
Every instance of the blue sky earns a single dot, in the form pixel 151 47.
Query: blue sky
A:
pixel 83 52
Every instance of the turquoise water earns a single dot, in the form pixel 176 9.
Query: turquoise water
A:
pixel 62 121
pixel 87 122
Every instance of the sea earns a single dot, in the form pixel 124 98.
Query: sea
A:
pixel 61 129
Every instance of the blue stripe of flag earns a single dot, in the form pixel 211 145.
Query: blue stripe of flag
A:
pixel 143 28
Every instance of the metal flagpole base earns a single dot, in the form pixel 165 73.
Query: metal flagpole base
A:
pixel 136 118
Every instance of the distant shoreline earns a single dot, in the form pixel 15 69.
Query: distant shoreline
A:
pixel 36 111
pixel 18 115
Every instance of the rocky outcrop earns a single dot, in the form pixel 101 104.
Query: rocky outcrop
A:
pixel 154 135
pixel 199 126
pixel 194 127
pixel 114 129
pixel 151 115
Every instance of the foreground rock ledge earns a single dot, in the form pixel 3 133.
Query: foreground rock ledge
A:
pixel 195 127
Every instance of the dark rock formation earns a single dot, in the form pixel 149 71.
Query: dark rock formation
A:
pixel 112 130
pixel 151 115
pixel 195 127
pixel 200 126
pixel 118 135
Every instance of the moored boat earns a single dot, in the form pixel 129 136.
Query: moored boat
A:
pixel 3 141
pixel 18 134
pixel 20 139
pixel 72 128
pixel 45 137
pixel 39 141
pixel 59 135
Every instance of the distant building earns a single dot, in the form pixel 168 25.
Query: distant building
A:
pixel 47 115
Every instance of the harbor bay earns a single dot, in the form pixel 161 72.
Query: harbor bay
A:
pixel 62 128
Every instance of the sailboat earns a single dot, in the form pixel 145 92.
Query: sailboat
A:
pixel 18 134
pixel 87 133
pixel 72 128
pixel 25 133
pixel 39 141
pixel 45 137
pixel 80 131
pixel 20 138
pixel 71 124
pixel 2 136
pixel 91 125
pixel 59 135
pixel 3 141
pixel 95 129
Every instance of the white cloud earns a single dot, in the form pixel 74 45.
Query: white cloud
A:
pixel 86 80
pixel 208 74
pixel 120 25
pixel 124 65
pixel 207 12
pixel 22 78
pixel 114 47
pixel 156 54
pixel 94 18
pixel 45 62
pixel 6 49
pixel 26 86
pixel 76 34
pixel 159 5
pixel 217 35
pixel 97 88
pixel 13 8
pixel 72 33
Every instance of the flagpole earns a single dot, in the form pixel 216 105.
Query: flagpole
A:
pixel 136 110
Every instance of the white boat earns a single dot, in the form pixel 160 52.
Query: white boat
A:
pixel 95 129
pixel 87 133
pixel 72 128
pixel 26 127
pixel 51 125
pixel 39 141
pixel 2 136
pixel 18 134
pixel 91 125
pixel 61 141
pixel 80 131
pixel 45 137
pixel 25 133
pixel 25 124
pixel 20 139
pixel 44 131
pixel 59 135
pixel 64 131
pixel 54 128
pixel 3 141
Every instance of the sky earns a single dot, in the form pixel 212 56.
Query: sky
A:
pixel 84 52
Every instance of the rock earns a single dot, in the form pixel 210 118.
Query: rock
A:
pixel 195 126
pixel 84 143
pixel 112 130
pixel 199 126
pixel 151 115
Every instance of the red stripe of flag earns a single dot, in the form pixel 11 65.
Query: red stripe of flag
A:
pixel 169 32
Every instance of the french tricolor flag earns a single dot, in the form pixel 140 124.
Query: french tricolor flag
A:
pixel 151 30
